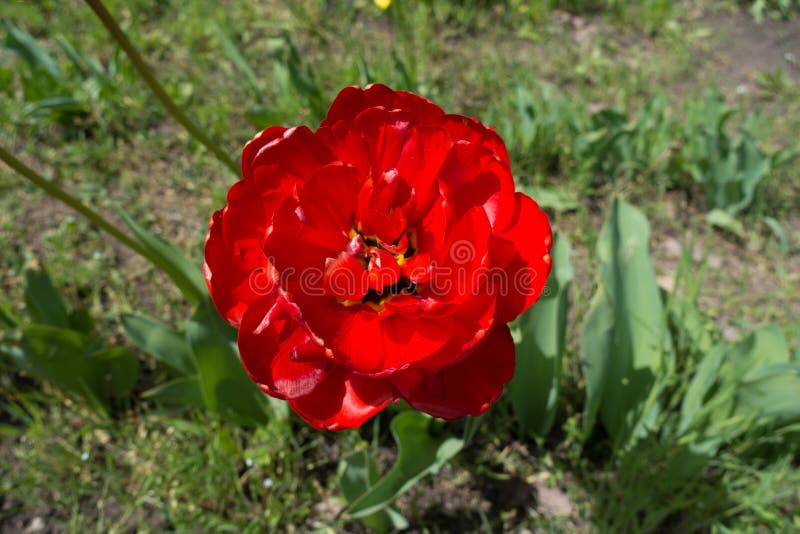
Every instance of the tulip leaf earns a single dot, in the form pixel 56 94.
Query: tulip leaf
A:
pixel 534 389
pixel 161 342
pixel 184 390
pixel 744 385
pixel 43 302
pixel 770 395
pixel 57 355
pixel 72 362
pixel 357 473
pixel 625 345
pixel 121 371
pixel 186 275
pixel 419 453
pixel 81 320
pixel 225 386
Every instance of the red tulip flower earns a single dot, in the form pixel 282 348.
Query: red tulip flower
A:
pixel 377 258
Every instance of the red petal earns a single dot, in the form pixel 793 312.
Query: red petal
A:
pixel 267 339
pixel 353 100
pixel 378 214
pixel 466 388
pixel 385 133
pixel 477 178
pixel 298 153
pixel 300 264
pixel 237 271
pixel 463 128
pixel 523 252
pixel 422 156
pixel 328 204
pixel 252 147
pixel 370 342
pixel 430 232
pixel 346 278
pixel 344 400
pixel 457 273
pixel 383 269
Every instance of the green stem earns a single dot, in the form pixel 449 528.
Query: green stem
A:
pixel 147 75
pixel 55 191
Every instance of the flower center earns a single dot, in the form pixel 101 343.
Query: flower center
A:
pixel 403 286
pixel 370 271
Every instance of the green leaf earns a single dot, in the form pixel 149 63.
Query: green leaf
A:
pixel 725 221
pixel 779 233
pixel 7 317
pixel 419 453
pixel 534 388
pixel 558 200
pixel 765 346
pixel 225 386
pixel 625 345
pixel 184 390
pixel 723 398
pixel 121 371
pixel 357 473
pixel 58 105
pixel 81 320
pixel 59 356
pixel 43 302
pixel 186 275
pixel 161 342
pixel 231 51
pixel 72 54
pixel 26 46
pixel 770 395
pixel 702 382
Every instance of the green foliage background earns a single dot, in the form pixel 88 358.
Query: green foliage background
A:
pixel 657 382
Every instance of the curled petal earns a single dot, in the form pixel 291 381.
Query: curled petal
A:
pixel 268 339
pixel 457 273
pixel 344 400
pixel 463 128
pixel 237 271
pixel 345 278
pixel 258 142
pixel 477 178
pixel 466 388
pixel 353 100
pixel 297 152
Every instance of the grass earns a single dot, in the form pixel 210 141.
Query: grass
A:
pixel 151 470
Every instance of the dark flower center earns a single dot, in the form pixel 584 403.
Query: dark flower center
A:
pixel 403 286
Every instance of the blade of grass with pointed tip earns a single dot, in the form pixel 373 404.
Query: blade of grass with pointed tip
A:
pixel 231 51
pixel 29 49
